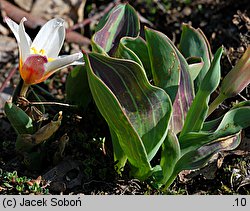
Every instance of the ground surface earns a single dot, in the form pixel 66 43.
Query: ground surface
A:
pixel 86 165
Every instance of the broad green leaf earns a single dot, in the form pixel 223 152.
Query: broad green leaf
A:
pixel 136 50
pixel 210 126
pixel 134 109
pixel 104 20
pixel 170 72
pixel 213 124
pixel 123 52
pixel 121 21
pixel 198 158
pixel 199 108
pixel 194 43
pixel 119 155
pixel 195 65
pixel 77 87
pixel 164 60
pixel 233 122
pixel 19 120
pixel 139 47
pixel 169 156
pixel 184 97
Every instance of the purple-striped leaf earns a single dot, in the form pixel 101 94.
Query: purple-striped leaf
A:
pixel 232 122
pixel 121 21
pixel 137 112
pixel 198 158
pixel 184 98
pixel 198 147
pixel 170 72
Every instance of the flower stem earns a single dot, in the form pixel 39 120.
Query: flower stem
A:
pixel 218 100
pixel 24 90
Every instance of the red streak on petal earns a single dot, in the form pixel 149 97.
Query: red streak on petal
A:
pixel 33 69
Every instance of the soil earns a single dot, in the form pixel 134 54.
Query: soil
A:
pixel 87 165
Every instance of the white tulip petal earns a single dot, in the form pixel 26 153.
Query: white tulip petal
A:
pixel 24 41
pixel 61 62
pixel 50 38
pixel 78 62
pixel 14 28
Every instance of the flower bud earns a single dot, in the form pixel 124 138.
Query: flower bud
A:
pixel 238 78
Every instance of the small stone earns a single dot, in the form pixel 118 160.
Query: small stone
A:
pixel 241 49
pixel 187 11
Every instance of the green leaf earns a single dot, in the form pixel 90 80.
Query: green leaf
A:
pixel 119 155
pixel 135 49
pixel 170 72
pixel 121 21
pixel 233 122
pixel 77 87
pixel 199 108
pixel 123 52
pixel 19 120
pixel 104 19
pixel 210 126
pixel 164 60
pixel 194 43
pixel 137 112
pixel 169 156
pixel 199 157
pixel 184 97
pixel 195 65
pixel 213 124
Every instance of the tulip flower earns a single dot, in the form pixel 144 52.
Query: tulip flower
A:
pixel 235 81
pixel 39 59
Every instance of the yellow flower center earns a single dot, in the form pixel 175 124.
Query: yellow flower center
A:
pixel 42 53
